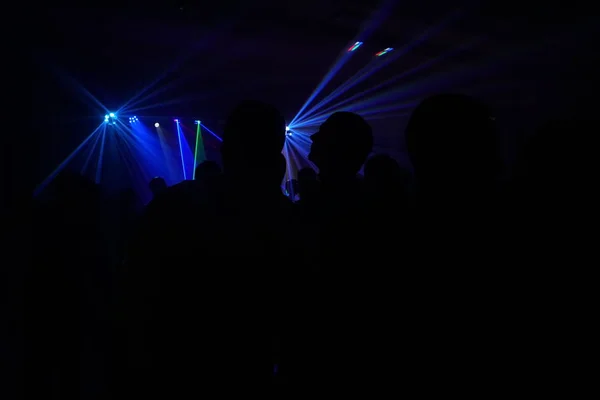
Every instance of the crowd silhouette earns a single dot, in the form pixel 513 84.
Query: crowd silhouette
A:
pixel 442 280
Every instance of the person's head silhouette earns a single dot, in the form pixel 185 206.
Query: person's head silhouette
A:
pixel 451 143
pixel 71 186
pixel 341 146
pixel 252 143
pixel 157 185
pixel 207 170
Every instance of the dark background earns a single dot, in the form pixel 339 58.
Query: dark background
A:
pixel 534 62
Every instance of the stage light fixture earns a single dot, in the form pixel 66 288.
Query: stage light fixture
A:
pixel 355 46
pixel 110 119
pixel 287 128
pixel 176 120
pixel 156 125
pixel 196 122
pixel 384 51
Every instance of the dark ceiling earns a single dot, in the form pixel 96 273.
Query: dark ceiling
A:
pixel 215 53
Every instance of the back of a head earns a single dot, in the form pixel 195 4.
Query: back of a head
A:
pixel 451 137
pixel 254 134
pixel 72 186
pixel 207 170
pixel 157 185
pixel 342 143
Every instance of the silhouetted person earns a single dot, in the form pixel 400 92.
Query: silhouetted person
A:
pixel 340 147
pixel 387 183
pixel 249 160
pixel 452 146
pixel 127 215
pixel 207 266
pixel 308 185
pixel 334 227
pixel 555 208
pixel 69 291
pixel 157 185
pixel 207 171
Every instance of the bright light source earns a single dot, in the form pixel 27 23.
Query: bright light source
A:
pixel 196 122
pixel 176 120
pixel 110 119
pixel 287 128
pixel 355 46
pixel 156 125
pixel 384 51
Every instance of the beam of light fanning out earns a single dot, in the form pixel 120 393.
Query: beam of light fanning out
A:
pixel 100 157
pixel 211 132
pixel 199 155
pixel 333 70
pixel 379 63
pixel 180 149
pixel 374 21
pixel 63 164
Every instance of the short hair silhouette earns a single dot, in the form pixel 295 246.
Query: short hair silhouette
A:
pixel 343 143
pixel 157 185
pixel 449 134
pixel 207 169
pixel 71 183
pixel 253 130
